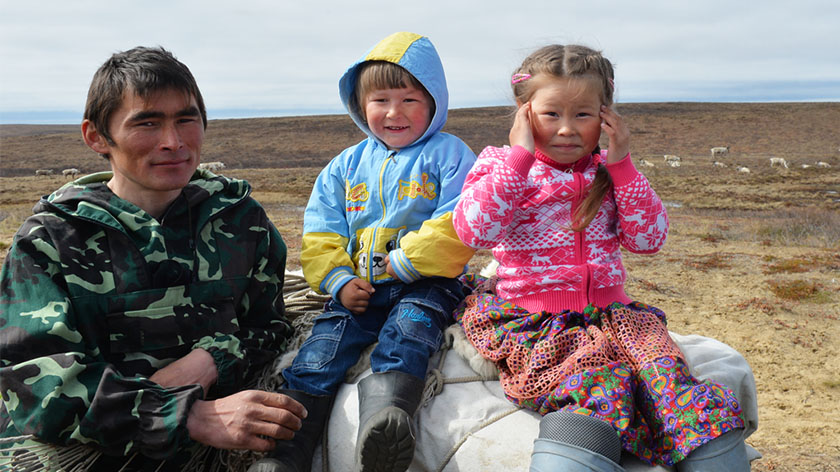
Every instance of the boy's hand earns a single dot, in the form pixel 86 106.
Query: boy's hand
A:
pixel 613 124
pixel 390 270
pixel 355 294
pixel 521 133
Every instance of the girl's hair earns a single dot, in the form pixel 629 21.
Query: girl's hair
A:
pixel 580 62
pixel 380 75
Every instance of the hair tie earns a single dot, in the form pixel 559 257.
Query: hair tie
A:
pixel 519 78
pixel 612 84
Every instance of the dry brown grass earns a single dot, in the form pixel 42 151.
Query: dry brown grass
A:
pixel 751 259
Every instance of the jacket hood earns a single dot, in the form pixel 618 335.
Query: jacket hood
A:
pixel 90 198
pixel 418 56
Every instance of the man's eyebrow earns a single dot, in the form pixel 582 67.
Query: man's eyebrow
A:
pixel 189 111
pixel 145 115
pixel 153 114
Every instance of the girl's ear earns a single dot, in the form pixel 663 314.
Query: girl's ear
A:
pixel 94 138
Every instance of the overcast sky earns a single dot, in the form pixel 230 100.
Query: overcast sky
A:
pixel 267 58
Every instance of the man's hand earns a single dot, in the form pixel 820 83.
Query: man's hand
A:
pixel 251 419
pixel 355 294
pixel 197 367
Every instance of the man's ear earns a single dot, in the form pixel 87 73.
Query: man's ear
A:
pixel 94 139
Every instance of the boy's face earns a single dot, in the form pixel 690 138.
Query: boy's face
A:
pixel 398 116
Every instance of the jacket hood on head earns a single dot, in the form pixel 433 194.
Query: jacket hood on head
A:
pixel 418 56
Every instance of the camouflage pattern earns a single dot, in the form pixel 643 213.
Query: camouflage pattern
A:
pixel 96 295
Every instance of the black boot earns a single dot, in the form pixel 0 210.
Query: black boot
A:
pixel 295 455
pixel 387 403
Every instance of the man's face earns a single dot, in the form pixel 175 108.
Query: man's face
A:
pixel 156 146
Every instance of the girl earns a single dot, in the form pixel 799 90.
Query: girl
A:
pixel 556 209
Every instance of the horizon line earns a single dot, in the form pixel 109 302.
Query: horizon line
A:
pixel 67 118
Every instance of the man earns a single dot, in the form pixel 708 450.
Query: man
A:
pixel 136 304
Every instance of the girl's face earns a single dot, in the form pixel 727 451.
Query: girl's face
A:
pixel 565 116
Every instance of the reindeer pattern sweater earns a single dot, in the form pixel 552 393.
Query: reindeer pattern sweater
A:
pixel 521 205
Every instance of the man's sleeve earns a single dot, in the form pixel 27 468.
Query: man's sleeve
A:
pixel 264 330
pixel 55 383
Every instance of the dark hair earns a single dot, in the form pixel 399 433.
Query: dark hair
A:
pixel 580 62
pixel 142 71
pixel 380 75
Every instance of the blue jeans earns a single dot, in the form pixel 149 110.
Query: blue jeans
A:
pixel 407 319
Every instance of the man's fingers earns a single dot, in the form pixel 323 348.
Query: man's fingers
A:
pixel 278 401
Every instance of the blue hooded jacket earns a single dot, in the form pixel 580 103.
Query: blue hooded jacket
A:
pixel 370 201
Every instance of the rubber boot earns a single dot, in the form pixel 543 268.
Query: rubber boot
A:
pixel 570 442
pixel 387 403
pixel 726 452
pixel 295 455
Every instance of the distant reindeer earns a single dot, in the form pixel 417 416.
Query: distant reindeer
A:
pixel 44 172
pixel 779 162
pixel 722 151
pixel 71 172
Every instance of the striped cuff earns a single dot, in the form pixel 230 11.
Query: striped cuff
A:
pixel 403 267
pixel 336 279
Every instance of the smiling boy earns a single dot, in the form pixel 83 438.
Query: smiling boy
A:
pixel 378 237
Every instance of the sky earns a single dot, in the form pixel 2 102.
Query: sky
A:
pixel 284 57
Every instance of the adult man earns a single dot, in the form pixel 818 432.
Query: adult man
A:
pixel 136 304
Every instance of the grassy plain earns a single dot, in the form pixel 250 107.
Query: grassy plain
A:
pixel 752 259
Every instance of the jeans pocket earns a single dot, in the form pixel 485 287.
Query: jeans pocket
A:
pixel 420 320
pixel 321 347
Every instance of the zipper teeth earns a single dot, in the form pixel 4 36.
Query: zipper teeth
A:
pixel 381 221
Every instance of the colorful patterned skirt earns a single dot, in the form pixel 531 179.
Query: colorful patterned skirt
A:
pixel 618 364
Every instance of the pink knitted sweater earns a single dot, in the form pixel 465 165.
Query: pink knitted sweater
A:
pixel 520 205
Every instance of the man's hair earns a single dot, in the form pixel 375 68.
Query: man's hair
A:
pixel 142 71
pixel 381 75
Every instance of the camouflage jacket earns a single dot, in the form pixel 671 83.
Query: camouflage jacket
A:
pixel 96 295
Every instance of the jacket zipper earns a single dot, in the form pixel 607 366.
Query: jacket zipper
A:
pixel 580 238
pixel 374 235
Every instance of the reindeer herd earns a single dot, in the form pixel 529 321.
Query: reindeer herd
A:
pixel 720 156
pixel 74 172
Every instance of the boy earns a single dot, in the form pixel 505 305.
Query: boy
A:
pixel 378 237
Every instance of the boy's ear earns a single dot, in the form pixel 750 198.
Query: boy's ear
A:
pixel 93 138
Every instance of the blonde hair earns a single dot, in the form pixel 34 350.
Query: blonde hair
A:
pixel 381 75
pixel 576 61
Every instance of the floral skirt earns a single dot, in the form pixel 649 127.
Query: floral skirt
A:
pixel 617 364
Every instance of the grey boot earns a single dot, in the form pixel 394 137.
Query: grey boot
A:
pixel 295 455
pixel 726 452
pixel 570 442
pixel 387 403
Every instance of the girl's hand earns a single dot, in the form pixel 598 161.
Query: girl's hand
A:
pixel 521 133
pixel 613 124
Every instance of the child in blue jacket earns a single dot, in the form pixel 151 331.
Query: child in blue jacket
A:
pixel 378 237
